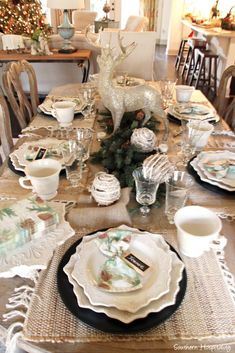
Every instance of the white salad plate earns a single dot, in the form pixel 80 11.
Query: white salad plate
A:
pixel 193 111
pixel 155 282
pixel 195 164
pixel 46 106
pixel 125 316
pixel 23 156
pixel 214 157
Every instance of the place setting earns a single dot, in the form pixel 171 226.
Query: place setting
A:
pixel 185 108
pixel 215 170
pixel 53 102
pixel 122 283
pixel 35 150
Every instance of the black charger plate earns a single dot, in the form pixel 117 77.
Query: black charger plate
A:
pixel 206 185
pixel 12 168
pixel 101 321
pixel 173 119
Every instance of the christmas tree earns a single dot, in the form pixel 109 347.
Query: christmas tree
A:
pixel 22 17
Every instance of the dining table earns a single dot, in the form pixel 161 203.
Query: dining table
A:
pixel 40 322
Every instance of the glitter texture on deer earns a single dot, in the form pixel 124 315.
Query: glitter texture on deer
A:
pixel 119 99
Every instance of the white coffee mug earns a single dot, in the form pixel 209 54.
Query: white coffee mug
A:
pixel 64 112
pixel 42 176
pixel 199 132
pixel 197 228
pixel 183 93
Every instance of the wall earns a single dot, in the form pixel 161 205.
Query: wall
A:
pixel 163 21
pixel 175 27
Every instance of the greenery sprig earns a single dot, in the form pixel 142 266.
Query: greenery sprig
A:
pixel 116 153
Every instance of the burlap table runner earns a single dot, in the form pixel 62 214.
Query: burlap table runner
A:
pixel 207 311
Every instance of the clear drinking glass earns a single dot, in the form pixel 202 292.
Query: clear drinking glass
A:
pixel 177 190
pixel 146 190
pixel 84 137
pixel 167 89
pixel 88 93
pixel 72 155
pixel 187 145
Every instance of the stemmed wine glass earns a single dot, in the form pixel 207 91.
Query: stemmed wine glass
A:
pixel 146 190
pixel 89 102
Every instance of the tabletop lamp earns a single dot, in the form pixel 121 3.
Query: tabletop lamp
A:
pixel 66 29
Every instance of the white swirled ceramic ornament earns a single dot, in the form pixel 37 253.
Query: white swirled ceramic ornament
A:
pixel 144 139
pixel 158 167
pixel 105 189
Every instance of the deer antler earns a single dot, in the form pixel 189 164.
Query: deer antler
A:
pixel 128 49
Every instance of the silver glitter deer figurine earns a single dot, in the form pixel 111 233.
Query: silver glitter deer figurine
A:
pixel 120 99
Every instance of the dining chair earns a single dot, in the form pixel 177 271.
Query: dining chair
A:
pixel 229 116
pixel 23 105
pixel 133 24
pixel 224 103
pixel 144 51
pixel 82 19
pixel 5 128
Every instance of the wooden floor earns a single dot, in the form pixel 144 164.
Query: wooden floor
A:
pixel 164 67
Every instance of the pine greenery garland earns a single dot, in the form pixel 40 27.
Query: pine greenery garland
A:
pixel 116 153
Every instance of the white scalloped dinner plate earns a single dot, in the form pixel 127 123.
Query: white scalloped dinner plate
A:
pixel 125 316
pixel 203 177
pixel 20 153
pixel 155 283
pixel 207 113
pixel 212 156
pixel 46 106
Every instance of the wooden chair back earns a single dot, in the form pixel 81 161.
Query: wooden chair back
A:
pixel 5 126
pixel 24 107
pixel 222 100
pixel 230 114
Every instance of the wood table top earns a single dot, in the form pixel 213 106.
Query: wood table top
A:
pixel 81 54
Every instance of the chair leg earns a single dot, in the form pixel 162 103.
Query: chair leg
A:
pixel 209 73
pixel 190 64
pixel 215 76
pixel 186 61
pixel 200 71
pixel 177 61
pixel 197 64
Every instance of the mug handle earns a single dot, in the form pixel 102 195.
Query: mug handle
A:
pixel 53 113
pixel 22 181
pixel 219 243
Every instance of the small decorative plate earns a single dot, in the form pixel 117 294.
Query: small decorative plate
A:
pixel 46 106
pixel 125 316
pixel 27 151
pixel 35 254
pixel 155 281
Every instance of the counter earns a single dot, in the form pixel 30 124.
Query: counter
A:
pixel 221 41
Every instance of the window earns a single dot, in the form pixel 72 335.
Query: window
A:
pixel 97 6
pixel 46 10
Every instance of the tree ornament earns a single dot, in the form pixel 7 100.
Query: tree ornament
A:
pixel 158 167
pixel 105 189
pixel 144 139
